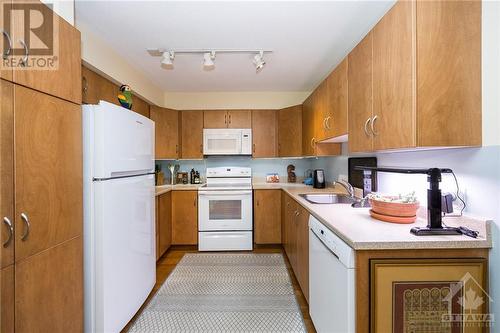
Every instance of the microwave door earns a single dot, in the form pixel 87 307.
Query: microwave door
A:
pixel 220 143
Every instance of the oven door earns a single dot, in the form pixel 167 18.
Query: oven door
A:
pixel 221 142
pixel 225 210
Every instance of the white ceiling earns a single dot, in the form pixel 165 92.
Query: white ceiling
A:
pixel 308 39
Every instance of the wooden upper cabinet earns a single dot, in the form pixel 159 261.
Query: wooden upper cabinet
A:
pixel 64 80
pixel 215 119
pixel 96 88
pixel 336 109
pixel 267 216
pixel 191 134
pixel 320 111
pixel 184 217
pixel 164 222
pixel 393 78
pixel 140 106
pixel 449 73
pixel 48 177
pixel 308 140
pixel 5 69
pixel 166 132
pixel 264 134
pixel 239 119
pixel 360 96
pixel 290 131
pixel 6 174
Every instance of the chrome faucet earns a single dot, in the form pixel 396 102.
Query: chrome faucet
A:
pixel 348 187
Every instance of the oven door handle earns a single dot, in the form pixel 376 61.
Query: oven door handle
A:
pixel 224 193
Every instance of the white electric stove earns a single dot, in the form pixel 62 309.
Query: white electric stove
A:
pixel 225 210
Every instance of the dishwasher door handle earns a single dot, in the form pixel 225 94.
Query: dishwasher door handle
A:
pixel 322 242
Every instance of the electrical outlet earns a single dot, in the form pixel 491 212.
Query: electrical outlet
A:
pixel 343 178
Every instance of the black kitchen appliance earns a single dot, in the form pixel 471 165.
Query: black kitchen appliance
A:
pixel 362 179
pixel 319 178
pixel 434 200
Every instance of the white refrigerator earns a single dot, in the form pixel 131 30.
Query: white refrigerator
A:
pixel 119 216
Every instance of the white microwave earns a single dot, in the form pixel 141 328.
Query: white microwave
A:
pixel 227 141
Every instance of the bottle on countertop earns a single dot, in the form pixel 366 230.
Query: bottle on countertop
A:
pixel 192 176
pixel 197 179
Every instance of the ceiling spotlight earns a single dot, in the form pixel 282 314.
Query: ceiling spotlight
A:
pixel 258 61
pixel 168 60
pixel 208 61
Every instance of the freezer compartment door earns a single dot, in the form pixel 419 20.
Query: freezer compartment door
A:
pixel 123 141
pixel 125 249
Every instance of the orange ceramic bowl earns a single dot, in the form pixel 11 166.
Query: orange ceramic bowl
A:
pixel 395 208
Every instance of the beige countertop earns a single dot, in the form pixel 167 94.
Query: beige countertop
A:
pixel 179 187
pixel 362 232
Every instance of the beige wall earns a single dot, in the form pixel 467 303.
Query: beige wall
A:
pixel 104 59
pixel 233 100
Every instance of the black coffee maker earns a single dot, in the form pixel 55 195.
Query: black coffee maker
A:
pixel 319 178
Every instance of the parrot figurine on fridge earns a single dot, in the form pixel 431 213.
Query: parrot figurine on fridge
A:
pixel 125 96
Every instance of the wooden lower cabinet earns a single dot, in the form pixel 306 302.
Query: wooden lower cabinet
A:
pixel 296 240
pixel 184 217
pixel 164 230
pixel 48 290
pixel 398 291
pixel 267 216
pixel 7 299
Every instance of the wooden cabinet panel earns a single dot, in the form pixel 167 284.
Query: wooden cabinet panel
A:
pixel 96 88
pixel 191 134
pixel 360 96
pixel 48 178
pixel 165 221
pixel 302 264
pixel 290 131
pixel 166 132
pixel 5 71
pixel 157 227
pixel 308 140
pixel 184 217
pixel 320 111
pixel 215 119
pixel 239 119
pixel 267 216
pixel 140 106
pixel 7 286
pixel 449 73
pixel 393 78
pixel 264 134
pixel 6 172
pixel 65 80
pixel 49 290
pixel 336 114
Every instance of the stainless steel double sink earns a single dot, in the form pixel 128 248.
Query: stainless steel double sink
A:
pixel 327 198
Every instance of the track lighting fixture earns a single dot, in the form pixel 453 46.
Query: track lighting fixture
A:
pixel 208 61
pixel 168 60
pixel 208 56
pixel 258 61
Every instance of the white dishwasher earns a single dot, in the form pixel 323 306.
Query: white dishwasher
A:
pixel 331 281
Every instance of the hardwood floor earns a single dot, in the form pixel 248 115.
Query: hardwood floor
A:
pixel 171 258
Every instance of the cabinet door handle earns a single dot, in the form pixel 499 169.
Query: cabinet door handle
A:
pixel 372 127
pixel 253 148
pixel 257 202
pixel 194 202
pixel 328 122
pixel 24 59
pixel 201 149
pixel 229 118
pixel 324 123
pixel 312 142
pixel 225 118
pixel 6 53
pixel 366 126
pixel 8 224
pixel 176 149
pixel 85 85
pixel 26 221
